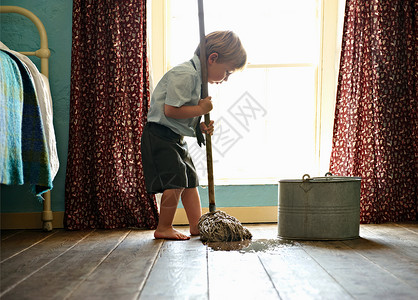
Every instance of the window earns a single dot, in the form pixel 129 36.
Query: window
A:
pixel 268 117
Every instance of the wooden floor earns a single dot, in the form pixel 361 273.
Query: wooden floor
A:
pixel 130 264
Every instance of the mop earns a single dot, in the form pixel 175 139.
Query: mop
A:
pixel 214 226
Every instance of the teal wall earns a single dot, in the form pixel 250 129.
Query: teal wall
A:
pixel 18 33
pixel 241 195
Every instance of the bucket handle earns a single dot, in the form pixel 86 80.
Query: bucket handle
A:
pixel 305 185
pixel 308 177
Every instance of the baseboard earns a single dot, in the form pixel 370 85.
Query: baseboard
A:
pixel 258 214
pixel 32 220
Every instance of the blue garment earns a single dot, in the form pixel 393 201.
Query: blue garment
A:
pixel 24 148
pixel 11 109
pixel 179 86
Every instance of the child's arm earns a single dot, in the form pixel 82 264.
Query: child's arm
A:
pixel 186 112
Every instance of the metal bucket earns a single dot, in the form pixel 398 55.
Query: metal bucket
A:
pixel 319 208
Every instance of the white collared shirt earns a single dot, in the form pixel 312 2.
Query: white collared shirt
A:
pixel 179 86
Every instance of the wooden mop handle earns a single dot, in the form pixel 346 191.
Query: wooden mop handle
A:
pixel 212 205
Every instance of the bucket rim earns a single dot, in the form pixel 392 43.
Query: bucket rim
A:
pixel 322 179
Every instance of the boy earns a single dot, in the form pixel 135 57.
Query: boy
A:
pixel 174 111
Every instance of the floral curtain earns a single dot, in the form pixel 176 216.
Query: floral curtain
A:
pixel 376 116
pixel 109 102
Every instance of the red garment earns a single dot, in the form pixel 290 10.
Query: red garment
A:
pixel 105 185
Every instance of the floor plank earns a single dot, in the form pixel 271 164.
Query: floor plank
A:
pixel 131 264
pixel 21 241
pixel 399 239
pixel 58 278
pixel 361 278
pixel 297 276
pixel 124 272
pixel 20 267
pixel 387 258
pixel 412 226
pixel 397 233
pixel 180 272
pixel 236 275
pixel 263 231
pixel 5 234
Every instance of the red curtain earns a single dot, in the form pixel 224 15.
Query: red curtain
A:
pixel 109 102
pixel 375 128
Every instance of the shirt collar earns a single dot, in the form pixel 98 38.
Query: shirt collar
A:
pixel 196 61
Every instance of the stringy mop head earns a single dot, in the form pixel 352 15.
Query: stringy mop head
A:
pixel 218 226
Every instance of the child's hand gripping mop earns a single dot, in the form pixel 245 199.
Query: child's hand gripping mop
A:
pixel 214 226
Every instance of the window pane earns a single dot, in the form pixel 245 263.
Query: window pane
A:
pixel 264 117
pixel 272 31
pixel 264 127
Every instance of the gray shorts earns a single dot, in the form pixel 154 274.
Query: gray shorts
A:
pixel 166 160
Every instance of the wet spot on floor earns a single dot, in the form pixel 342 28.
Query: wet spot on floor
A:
pixel 252 246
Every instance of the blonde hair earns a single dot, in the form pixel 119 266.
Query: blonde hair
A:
pixel 228 47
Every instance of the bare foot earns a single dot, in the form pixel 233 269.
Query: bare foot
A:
pixel 170 234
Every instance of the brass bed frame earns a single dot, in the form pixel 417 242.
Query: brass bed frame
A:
pixel 43 53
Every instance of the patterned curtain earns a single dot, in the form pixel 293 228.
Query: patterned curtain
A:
pixel 376 117
pixel 109 102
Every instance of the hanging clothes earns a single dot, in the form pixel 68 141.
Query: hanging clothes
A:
pixel 23 152
pixel 43 95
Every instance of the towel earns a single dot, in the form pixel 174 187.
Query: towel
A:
pixel 11 109
pixel 43 94
pixel 34 152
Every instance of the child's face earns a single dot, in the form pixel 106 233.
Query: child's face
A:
pixel 218 72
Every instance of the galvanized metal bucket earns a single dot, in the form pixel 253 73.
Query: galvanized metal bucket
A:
pixel 319 208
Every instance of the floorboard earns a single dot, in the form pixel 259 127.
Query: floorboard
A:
pixel 58 278
pixel 131 264
pixel 123 273
pixel 20 241
pixel 411 226
pixel 387 258
pixel 19 268
pixel 361 278
pixel 235 275
pixel 296 275
pixel 180 272
pixel 399 239
pixel 5 234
